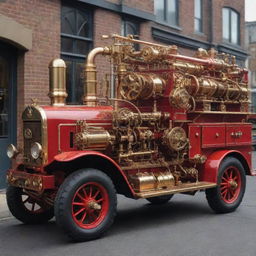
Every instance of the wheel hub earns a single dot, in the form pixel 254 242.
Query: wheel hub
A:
pixel 93 205
pixel 232 184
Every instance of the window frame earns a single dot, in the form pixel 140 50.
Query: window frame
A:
pixel 200 19
pixel 73 57
pixel 136 23
pixel 229 40
pixel 166 20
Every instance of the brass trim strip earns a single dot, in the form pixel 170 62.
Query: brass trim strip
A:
pixel 44 133
pixel 177 189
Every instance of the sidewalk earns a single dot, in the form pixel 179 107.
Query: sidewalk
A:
pixel 4 212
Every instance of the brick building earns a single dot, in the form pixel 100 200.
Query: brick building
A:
pixel 250 43
pixel 32 32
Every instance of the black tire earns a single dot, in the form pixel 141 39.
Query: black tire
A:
pixel 27 210
pixel 160 199
pixel 228 194
pixel 79 188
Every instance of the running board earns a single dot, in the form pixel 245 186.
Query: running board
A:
pixel 177 189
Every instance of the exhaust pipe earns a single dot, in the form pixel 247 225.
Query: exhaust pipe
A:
pixel 57 76
pixel 90 86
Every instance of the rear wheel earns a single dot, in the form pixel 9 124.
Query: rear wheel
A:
pixel 85 205
pixel 228 194
pixel 26 208
pixel 160 199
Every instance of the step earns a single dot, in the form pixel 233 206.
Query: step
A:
pixel 185 187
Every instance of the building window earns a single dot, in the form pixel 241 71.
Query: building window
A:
pixel 198 21
pixel 230 25
pixel 166 11
pixel 131 27
pixel 76 42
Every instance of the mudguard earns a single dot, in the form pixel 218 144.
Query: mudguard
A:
pixel 211 166
pixel 73 155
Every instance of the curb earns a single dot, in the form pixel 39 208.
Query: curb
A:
pixel 4 211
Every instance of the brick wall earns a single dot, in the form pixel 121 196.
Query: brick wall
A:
pixel 43 18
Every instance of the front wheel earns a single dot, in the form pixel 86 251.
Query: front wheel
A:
pixel 231 183
pixel 26 208
pixel 86 204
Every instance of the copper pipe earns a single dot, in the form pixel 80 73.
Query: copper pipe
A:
pixel 90 86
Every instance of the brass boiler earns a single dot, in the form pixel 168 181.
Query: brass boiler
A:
pixel 93 138
pixel 212 88
pixel 145 181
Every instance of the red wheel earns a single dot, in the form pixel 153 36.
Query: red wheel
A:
pixel 230 185
pixel 228 195
pixel 85 204
pixel 90 205
pixel 26 208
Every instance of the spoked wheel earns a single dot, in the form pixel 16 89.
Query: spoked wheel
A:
pixel 160 199
pixel 90 205
pixel 85 205
pixel 227 196
pixel 230 185
pixel 26 208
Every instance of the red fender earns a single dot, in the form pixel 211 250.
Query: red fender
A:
pixel 211 166
pixel 72 155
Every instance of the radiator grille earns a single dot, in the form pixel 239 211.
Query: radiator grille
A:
pixel 31 134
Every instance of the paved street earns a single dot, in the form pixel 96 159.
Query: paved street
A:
pixel 184 226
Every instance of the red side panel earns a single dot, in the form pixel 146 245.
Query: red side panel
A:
pixel 194 141
pixel 213 136
pixel 239 135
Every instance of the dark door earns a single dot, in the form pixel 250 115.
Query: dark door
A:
pixel 8 56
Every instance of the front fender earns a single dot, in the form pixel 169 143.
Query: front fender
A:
pixel 212 164
pixel 75 160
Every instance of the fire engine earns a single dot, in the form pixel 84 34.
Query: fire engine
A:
pixel 170 124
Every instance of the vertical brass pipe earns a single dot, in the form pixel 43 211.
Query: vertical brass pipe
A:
pixel 90 86
pixel 57 83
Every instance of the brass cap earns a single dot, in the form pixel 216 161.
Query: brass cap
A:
pixel 57 63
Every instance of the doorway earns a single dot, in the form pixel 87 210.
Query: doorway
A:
pixel 8 102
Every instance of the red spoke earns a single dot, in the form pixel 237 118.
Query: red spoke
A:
pixel 232 192
pixel 226 175
pixel 90 194
pixel 235 178
pixel 231 174
pixel 223 188
pixel 224 184
pixel 223 178
pixel 224 193
pixel 96 194
pixel 94 216
pixel 81 210
pixel 85 194
pixel 99 200
pixel 83 218
pixel 78 203
pixel 82 198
